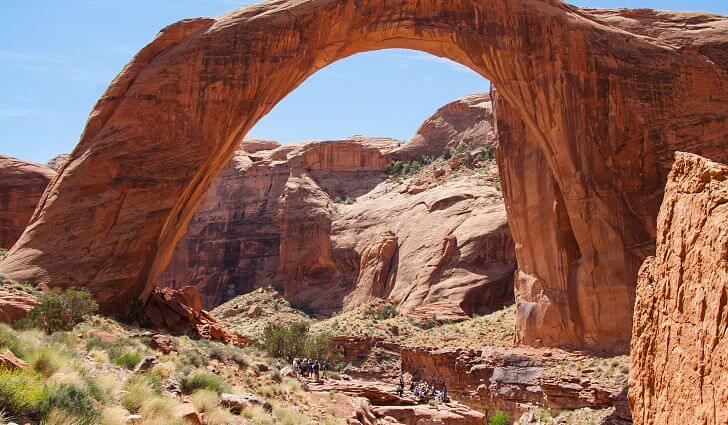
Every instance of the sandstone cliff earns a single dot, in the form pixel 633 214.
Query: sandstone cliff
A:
pixel 22 184
pixel 679 354
pixel 269 221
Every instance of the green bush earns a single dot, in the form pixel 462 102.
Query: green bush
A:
pixel 22 392
pixel 427 159
pixel 71 399
pixel 3 253
pixel 129 359
pixel 500 418
pixel 60 310
pixel 207 381
pixel 148 380
pixel 447 153
pixel 291 341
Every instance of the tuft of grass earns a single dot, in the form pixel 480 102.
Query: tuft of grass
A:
pixel 219 416
pixel 73 400
pixel 137 391
pixel 114 415
pixel 290 416
pixel 46 361
pixel 62 417
pixel 157 407
pixel 201 380
pixel 129 359
pixel 257 415
pixel 205 400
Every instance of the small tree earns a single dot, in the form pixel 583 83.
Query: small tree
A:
pixel 285 341
pixel 60 310
pixel 500 418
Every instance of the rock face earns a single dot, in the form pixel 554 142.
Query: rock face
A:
pixel 511 380
pixel 679 354
pixel 467 121
pixel 22 184
pixel 606 96
pixel 272 218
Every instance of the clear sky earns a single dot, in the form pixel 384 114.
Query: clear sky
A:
pixel 57 57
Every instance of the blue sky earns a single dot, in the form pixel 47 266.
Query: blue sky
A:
pixel 57 57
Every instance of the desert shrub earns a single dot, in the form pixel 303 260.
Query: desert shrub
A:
pixel 129 359
pixel 322 347
pixel 3 253
pixel 447 153
pixel 383 312
pixel 500 418
pixel 290 416
pixel 467 158
pixel 72 399
pixel 285 341
pixel 201 380
pixel 427 159
pixel 60 310
pixel 22 392
pixel 114 415
pixel 61 417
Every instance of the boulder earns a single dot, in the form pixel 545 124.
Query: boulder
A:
pixel 162 343
pixel 9 361
pixel 168 309
pixel 679 357
pixel 146 364
pixel 15 305
pixel 188 412
pixel 238 403
pixel 439 312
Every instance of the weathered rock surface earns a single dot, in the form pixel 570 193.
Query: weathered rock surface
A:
pixel 606 96
pixel 511 379
pixel 22 184
pixel 272 219
pixel 467 121
pixel 15 306
pixel 679 354
pixel 180 311
pixel 445 414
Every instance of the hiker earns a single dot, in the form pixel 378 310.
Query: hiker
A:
pixel 278 365
pixel 316 368
pixel 310 368
pixel 325 368
pixel 295 365
pixel 444 394
pixel 400 389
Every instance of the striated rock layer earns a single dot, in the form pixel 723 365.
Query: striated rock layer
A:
pixel 22 184
pixel 277 217
pixel 679 356
pixel 606 97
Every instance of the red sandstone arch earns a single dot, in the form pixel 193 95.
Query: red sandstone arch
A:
pixel 592 111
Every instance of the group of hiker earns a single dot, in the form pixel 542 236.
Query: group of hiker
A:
pixel 309 368
pixel 425 392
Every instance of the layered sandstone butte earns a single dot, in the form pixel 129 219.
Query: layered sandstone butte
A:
pixel 679 353
pixel 605 96
pixel 276 216
pixel 22 184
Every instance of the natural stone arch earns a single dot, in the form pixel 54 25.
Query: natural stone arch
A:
pixel 598 104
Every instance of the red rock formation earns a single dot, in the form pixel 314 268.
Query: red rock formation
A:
pixel 15 306
pixel 467 121
pixel 679 370
pixel 21 185
pixel 510 380
pixel 607 96
pixel 180 311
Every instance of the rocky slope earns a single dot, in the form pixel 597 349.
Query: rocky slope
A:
pixel 22 183
pixel 323 222
pixel 679 350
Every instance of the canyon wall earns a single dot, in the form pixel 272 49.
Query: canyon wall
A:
pixel 321 221
pixel 22 183
pixel 679 356
pixel 607 96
